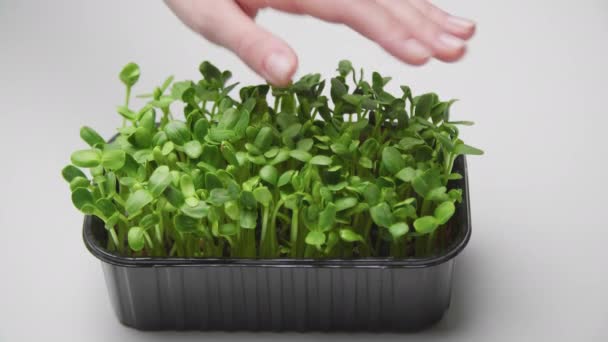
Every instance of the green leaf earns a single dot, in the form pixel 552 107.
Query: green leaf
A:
pixel 212 181
pixel 70 172
pixel 137 201
pixel 463 123
pixel 136 239
pixel 143 156
pixel 129 75
pixel 198 211
pixel 228 119
pixel 407 174
pixel 159 180
pixel 366 163
pixel 455 195
pixel 191 201
pixel 269 174
pixel 219 135
pixel 424 104
pixel 263 195
pixel 392 160
pixel 327 217
pixel 426 224
pixel 444 212
pixel 91 137
pixel 177 132
pixel 320 160
pixel 126 113
pixel 193 149
pixel 438 194
pixel 228 229
pixel 345 67
pixel 86 158
pixel 232 210
pixel 210 72
pixel 405 212
pixel 292 131
pixel 252 149
pixel 454 176
pixel 186 184
pixel 168 147
pixel 229 154
pixel 427 181
pixel 264 138
pixel 382 215
pixel 248 219
pixel 282 155
pixel 350 236
pixel 106 207
pixel 466 149
pixel 113 159
pixel 247 200
pixel 79 182
pixel 285 178
pixel 353 99
pixel 332 241
pixel 372 194
pixel 315 238
pixel 398 229
pixel 305 144
pixel 219 196
pixel 339 149
pixel 300 155
pixel 201 127
pixel 409 142
pixel 185 224
pixel 82 197
pixel 174 196
pixel 141 137
pixel 369 148
pixel 149 221
pixel 338 89
pixel 346 203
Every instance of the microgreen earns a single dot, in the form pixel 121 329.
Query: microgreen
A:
pixel 273 172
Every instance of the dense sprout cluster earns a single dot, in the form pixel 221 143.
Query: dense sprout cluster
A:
pixel 274 172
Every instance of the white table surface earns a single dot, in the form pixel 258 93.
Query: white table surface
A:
pixel 534 81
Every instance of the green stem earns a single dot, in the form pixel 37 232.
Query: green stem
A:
pixel 273 228
pixel 264 244
pixel 127 98
pixel 294 233
pixel 449 165
pixel 426 207
pixel 430 243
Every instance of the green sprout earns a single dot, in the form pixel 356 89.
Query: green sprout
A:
pixel 273 172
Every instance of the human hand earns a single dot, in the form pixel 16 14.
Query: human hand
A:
pixel 411 30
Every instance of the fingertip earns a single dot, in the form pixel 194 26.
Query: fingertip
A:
pixel 449 48
pixel 279 67
pixel 415 53
pixel 461 27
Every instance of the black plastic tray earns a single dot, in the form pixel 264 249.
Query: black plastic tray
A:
pixel 282 294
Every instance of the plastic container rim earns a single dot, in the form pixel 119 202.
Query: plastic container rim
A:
pixel 369 262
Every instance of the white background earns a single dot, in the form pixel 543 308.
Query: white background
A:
pixel 534 81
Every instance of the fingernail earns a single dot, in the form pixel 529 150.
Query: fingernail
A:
pixel 278 67
pixel 461 22
pixel 451 42
pixel 416 49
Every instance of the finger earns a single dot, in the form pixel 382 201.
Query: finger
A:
pixel 459 27
pixel 248 7
pixel 224 23
pixel 366 17
pixel 444 45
